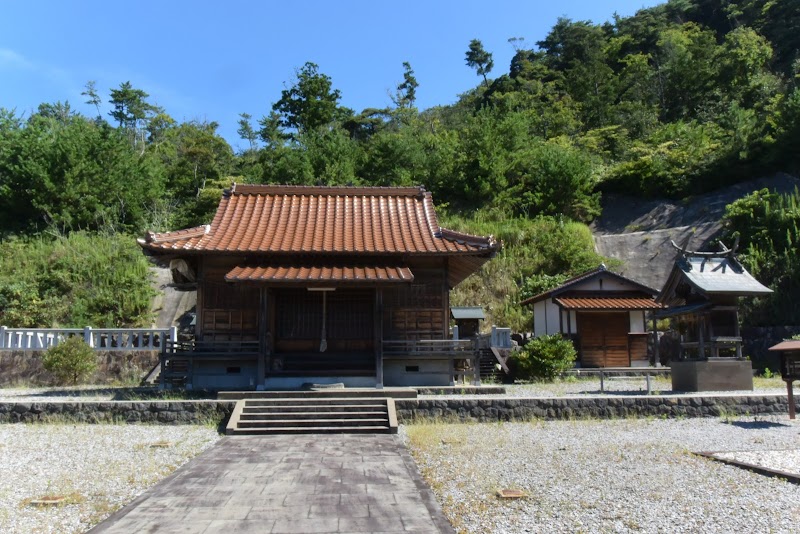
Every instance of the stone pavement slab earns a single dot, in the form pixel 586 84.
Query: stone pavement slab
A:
pixel 343 483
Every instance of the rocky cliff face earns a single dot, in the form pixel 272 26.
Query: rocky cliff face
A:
pixel 638 232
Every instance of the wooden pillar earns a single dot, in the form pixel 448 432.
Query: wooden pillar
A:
pixel 200 306
pixel 701 344
pixel 714 345
pixel 738 333
pixel 262 337
pixel 790 394
pixel 378 338
pixel 656 355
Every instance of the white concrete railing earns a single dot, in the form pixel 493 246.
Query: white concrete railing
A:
pixel 110 339
pixel 501 338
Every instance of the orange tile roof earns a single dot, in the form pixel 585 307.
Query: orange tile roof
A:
pixel 320 273
pixel 607 303
pixel 327 220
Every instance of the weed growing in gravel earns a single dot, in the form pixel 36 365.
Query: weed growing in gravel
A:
pixel 771 382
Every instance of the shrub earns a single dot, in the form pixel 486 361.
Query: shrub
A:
pixel 70 361
pixel 543 358
pixel 73 281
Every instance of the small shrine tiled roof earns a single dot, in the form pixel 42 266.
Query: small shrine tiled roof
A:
pixel 607 303
pixel 322 273
pixel 721 275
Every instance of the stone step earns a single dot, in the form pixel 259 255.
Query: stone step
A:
pixel 254 416
pixel 376 429
pixel 280 423
pixel 316 405
pixel 348 393
pixel 316 408
pixel 273 415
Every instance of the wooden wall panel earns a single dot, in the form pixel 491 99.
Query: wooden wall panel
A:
pixel 638 347
pixel 604 339
pixel 418 310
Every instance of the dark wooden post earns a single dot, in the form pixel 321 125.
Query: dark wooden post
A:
pixel 701 345
pixel 262 337
pixel 790 394
pixel 378 338
pixel 656 355
pixel 737 332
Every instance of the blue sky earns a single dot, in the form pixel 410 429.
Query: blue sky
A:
pixel 212 60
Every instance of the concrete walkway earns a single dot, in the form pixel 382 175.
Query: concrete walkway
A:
pixel 293 484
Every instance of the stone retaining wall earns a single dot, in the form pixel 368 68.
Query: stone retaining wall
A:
pixel 512 409
pixel 165 412
pixel 25 366
pixel 411 410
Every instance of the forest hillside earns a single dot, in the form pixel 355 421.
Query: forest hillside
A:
pixel 678 100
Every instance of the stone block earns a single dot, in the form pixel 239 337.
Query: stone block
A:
pixel 712 375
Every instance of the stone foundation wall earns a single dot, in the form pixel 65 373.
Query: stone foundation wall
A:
pixel 25 366
pixel 493 410
pixel 153 412
pixel 411 410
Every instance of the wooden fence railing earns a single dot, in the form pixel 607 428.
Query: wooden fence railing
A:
pixel 105 339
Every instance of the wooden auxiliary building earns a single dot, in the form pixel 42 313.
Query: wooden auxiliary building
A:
pixel 303 284
pixel 603 313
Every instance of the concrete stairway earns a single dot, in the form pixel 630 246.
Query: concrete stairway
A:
pixel 297 415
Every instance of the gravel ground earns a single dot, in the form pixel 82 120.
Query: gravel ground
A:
pixel 591 386
pixel 581 476
pixel 611 476
pixel 559 388
pixel 96 468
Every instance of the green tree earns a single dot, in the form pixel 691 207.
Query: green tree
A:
pixel 406 90
pixel 76 174
pixel 744 60
pixel 246 131
pixel 551 179
pixel 686 70
pixel 311 102
pixel 92 97
pixel 132 112
pixel 333 156
pixel 578 50
pixel 768 227
pixel 200 154
pixel 479 59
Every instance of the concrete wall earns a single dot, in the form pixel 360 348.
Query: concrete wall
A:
pixel 637 322
pixel 539 319
pixel 547 318
pixel 609 283
pixel 429 373
pixel 216 375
